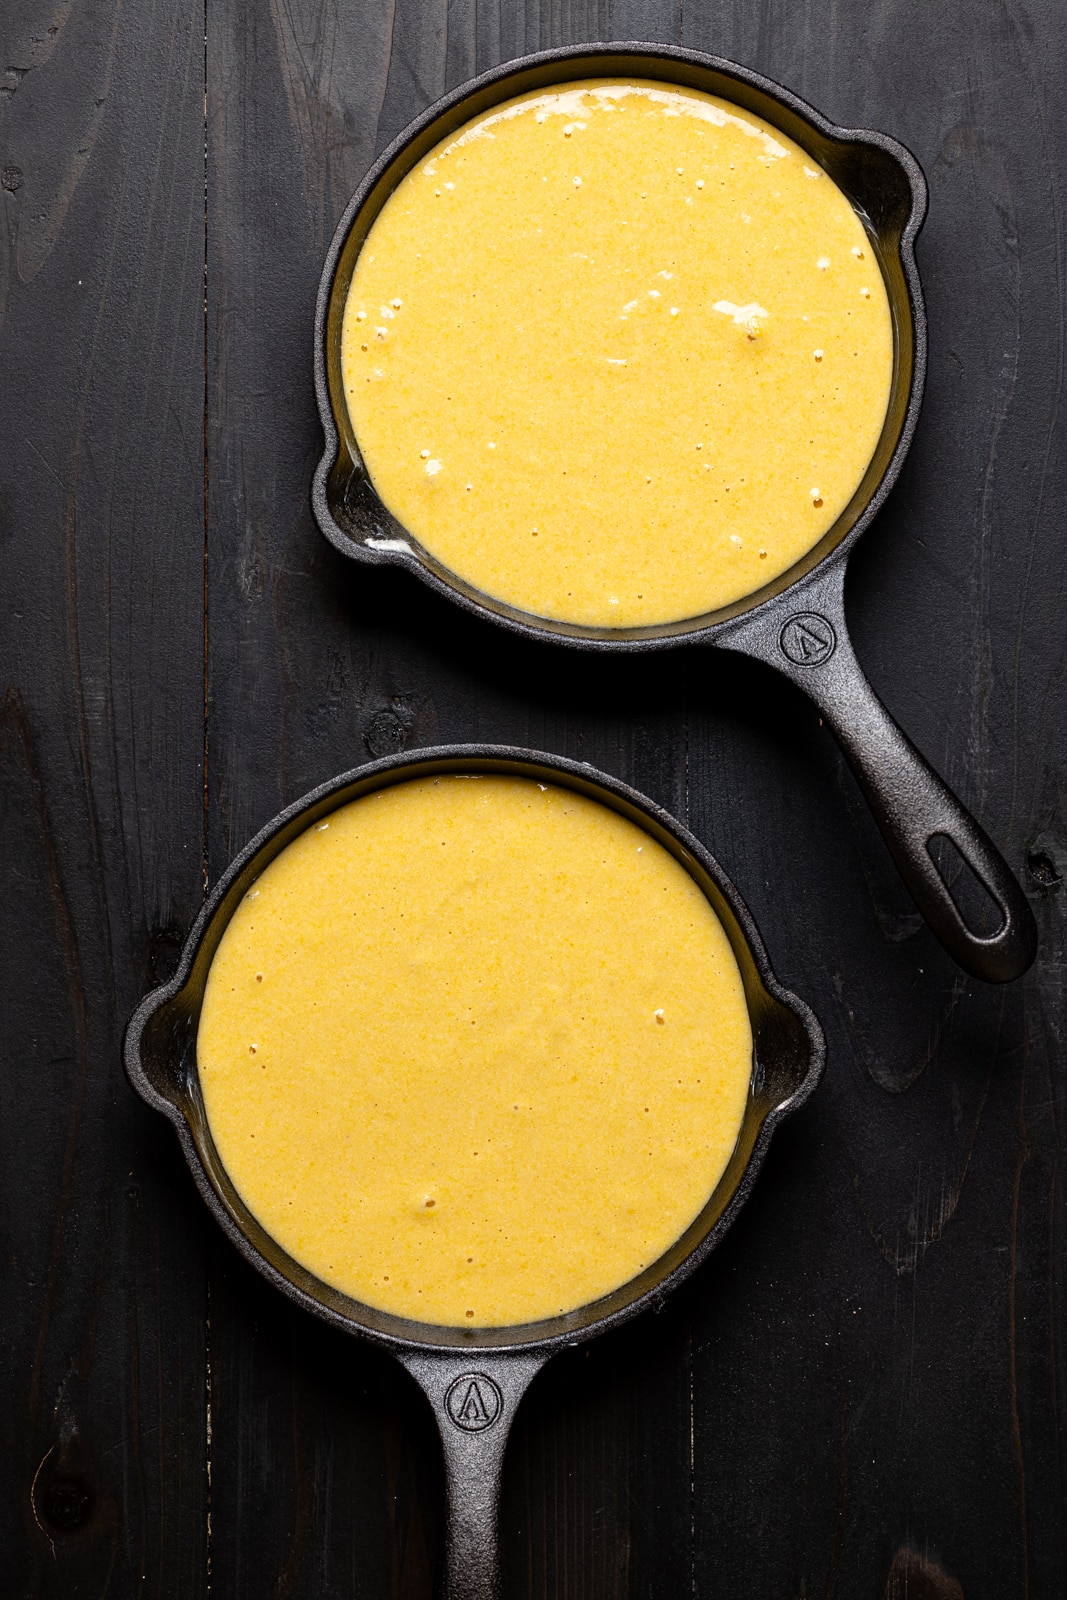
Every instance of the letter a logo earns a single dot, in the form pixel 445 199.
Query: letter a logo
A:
pixel 808 639
pixel 473 1410
pixel 473 1402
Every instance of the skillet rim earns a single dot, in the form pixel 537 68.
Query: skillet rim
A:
pixel 713 627
pixel 437 1339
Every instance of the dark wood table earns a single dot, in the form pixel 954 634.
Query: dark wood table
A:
pixel 860 1397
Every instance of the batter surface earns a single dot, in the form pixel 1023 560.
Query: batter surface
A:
pixel 617 354
pixel 474 1050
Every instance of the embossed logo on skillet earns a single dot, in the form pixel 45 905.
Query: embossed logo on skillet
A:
pixel 808 639
pixel 473 1402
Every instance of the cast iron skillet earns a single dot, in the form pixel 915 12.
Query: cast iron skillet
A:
pixel 474 1378
pixel 796 623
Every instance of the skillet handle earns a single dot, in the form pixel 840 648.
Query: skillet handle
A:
pixel 474 1395
pixel 804 636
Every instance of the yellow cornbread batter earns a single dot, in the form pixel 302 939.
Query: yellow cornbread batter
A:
pixel 617 354
pixel 474 1050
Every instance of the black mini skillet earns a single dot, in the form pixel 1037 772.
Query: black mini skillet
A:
pixel 796 623
pixel 473 1378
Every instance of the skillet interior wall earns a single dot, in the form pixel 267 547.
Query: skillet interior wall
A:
pixel 873 1351
pixel 350 513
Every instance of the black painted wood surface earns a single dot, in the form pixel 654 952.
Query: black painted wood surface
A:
pixel 861 1396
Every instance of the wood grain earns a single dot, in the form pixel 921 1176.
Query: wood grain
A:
pixel 861 1394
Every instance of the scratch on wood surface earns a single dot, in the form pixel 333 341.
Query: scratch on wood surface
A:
pixel 33 1496
pixel 49 468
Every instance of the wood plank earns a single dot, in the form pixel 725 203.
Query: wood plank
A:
pixel 101 506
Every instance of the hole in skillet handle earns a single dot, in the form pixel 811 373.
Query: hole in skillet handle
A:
pixel 804 635
pixel 975 902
